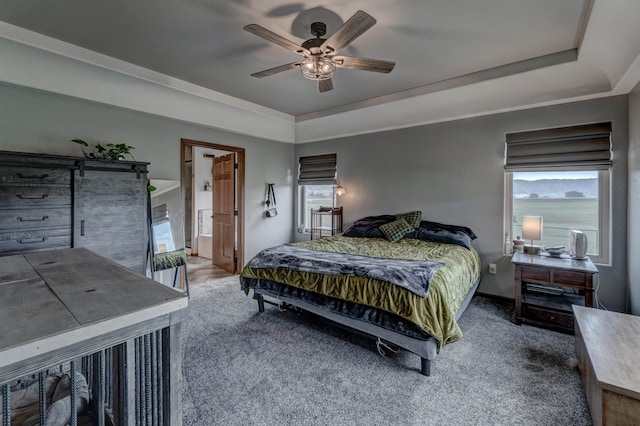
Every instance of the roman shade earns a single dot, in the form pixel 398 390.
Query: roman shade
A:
pixel 318 170
pixel 569 148
pixel 160 214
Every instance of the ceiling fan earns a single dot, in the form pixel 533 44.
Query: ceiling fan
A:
pixel 320 58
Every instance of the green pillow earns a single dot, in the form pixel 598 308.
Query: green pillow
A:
pixel 394 231
pixel 412 218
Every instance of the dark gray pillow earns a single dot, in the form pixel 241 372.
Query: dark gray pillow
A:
pixel 435 226
pixel 443 236
pixel 369 227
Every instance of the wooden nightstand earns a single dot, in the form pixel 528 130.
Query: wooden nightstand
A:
pixel 547 287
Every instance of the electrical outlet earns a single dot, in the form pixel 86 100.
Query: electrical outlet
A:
pixel 492 268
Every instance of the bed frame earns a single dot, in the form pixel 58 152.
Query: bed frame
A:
pixel 427 349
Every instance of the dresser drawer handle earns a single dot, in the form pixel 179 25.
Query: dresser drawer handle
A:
pixel 20 175
pixel 551 318
pixel 21 219
pixel 32 197
pixel 27 241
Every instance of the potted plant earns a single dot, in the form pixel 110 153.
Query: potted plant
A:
pixel 111 151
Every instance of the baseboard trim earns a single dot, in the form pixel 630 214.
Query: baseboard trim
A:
pixel 496 296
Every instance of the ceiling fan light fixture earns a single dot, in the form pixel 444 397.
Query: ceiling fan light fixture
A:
pixel 319 62
pixel 317 68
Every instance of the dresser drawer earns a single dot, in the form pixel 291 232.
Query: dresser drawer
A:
pixel 45 217
pixel 34 196
pixel 548 316
pixel 568 277
pixel 531 273
pixel 34 175
pixel 15 242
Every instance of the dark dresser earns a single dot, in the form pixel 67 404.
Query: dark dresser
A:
pixel 52 202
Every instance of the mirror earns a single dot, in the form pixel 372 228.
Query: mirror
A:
pixel 167 224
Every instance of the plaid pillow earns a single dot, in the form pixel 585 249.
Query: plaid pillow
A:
pixel 412 218
pixel 396 230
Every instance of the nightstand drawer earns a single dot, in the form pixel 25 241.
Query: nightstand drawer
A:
pixel 530 273
pixel 548 316
pixel 567 277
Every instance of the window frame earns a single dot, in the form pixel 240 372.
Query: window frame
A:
pixel 302 206
pixel 604 211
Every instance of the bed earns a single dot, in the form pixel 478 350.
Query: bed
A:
pixel 412 302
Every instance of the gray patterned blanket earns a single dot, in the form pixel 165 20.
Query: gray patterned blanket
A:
pixel 413 275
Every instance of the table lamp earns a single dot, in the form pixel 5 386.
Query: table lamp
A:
pixel 532 230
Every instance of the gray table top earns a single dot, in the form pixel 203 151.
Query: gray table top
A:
pixel 52 298
pixel 564 262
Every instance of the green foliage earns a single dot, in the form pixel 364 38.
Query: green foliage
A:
pixel 169 260
pixel 111 151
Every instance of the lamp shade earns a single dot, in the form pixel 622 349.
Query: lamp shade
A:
pixel 532 227
pixel 340 190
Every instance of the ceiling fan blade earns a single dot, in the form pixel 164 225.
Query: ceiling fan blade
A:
pixel 364 64
pixel 349 31
pixel 277 39
pixel 325 85
pixel 275 70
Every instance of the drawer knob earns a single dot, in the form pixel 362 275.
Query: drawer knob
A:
pixel 32 197
pixel 551 317
pixel 22 219
pixel 22 176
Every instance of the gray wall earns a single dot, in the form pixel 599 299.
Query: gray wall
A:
pixel 634 202
pixel 454 173
pixel 39 122
pixel 451 171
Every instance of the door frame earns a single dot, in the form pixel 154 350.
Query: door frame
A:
pixel 184 143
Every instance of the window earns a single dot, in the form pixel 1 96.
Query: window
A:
pixel 566 200
pixel 317 176
pixel 312 197
pixel 562 175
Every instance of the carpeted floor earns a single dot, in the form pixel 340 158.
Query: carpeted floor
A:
pixel 281 368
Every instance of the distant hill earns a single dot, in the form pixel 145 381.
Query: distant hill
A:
pixel 555 188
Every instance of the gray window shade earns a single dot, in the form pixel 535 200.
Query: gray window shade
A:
pixel 317 170
pixel 160 214
pixel 576 147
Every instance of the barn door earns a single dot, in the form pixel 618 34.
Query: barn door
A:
pixel 224 202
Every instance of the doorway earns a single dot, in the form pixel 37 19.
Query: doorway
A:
pixel 227 244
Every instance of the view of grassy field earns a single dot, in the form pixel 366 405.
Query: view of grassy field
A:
pixel 560 216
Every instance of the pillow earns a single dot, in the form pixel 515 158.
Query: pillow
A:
pixel 442 236
pixel 368 227
pixel 435 226
pixel 412 218
pixel 396 230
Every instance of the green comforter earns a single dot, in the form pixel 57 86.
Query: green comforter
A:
pixel 434 314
